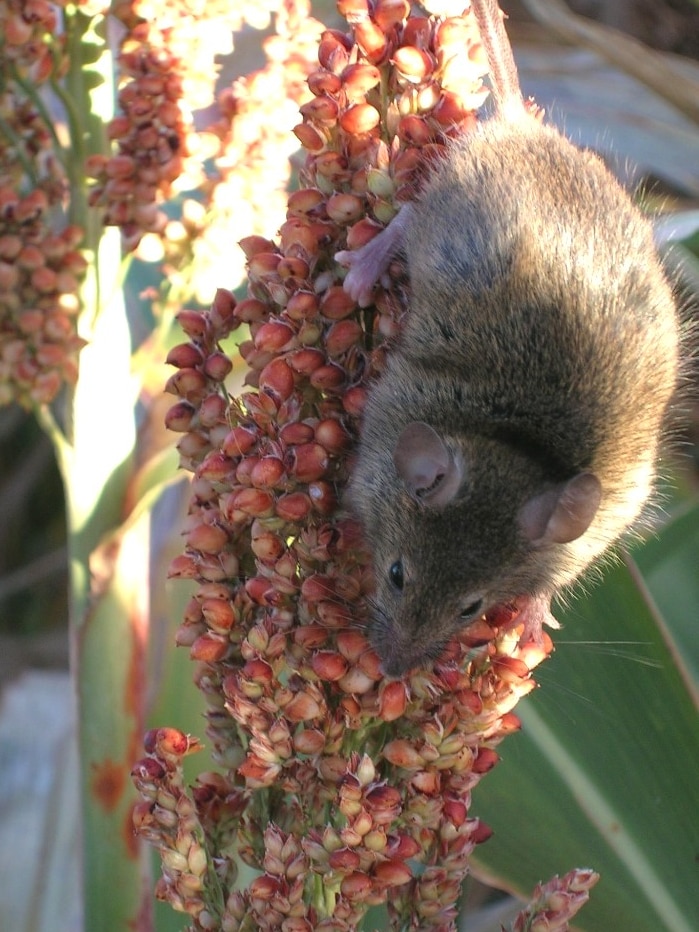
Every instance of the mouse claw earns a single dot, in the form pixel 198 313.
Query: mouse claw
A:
pixel 368 264
pixel 364 273
pixel 360 280
pixel 533 614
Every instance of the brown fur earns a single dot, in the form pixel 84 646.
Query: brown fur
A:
pixel 541 342
pixel 541 348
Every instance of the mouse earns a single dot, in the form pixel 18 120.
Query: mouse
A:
pixel 513 435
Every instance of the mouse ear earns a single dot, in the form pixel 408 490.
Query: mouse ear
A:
pixel 426 465
pixel 561 515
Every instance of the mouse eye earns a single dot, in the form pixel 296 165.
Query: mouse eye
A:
pixel 395 574
pixel 472 610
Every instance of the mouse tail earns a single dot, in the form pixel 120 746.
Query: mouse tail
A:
pixel 503 71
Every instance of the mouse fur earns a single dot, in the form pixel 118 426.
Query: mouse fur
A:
pixel 540 349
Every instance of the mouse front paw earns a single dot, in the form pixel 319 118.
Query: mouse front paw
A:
pixel 368 264
pixel 365 269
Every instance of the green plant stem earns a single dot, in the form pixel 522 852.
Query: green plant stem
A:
pixel 86 126
pixel 30 91
pixel 108 546
pixel 16 143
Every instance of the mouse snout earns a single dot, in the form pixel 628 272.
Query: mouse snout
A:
pixel 397 666
pixel 399 651
pixel 390 647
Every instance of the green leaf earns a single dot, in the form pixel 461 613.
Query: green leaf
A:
pixel 110 685
pixel 92 79
pixel 669 564
pixel 91 52
pixel 605 773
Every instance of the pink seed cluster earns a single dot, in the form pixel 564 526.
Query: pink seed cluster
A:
pixel 29 29
pixel 341 788
pixel 250 146
pixel 150 133
pixel 40 272
pixel 170 138
pixel 555 903
pixel 41 266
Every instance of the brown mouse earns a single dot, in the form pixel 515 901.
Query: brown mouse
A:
pixel 513 435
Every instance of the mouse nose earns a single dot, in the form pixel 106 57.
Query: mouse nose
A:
pixel 399 650
pixel 392 667
pixel 398 658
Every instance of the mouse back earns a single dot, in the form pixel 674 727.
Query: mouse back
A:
pixel 536 280
pixel 514 433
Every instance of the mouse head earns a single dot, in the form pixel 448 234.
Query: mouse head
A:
pixel 461 527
